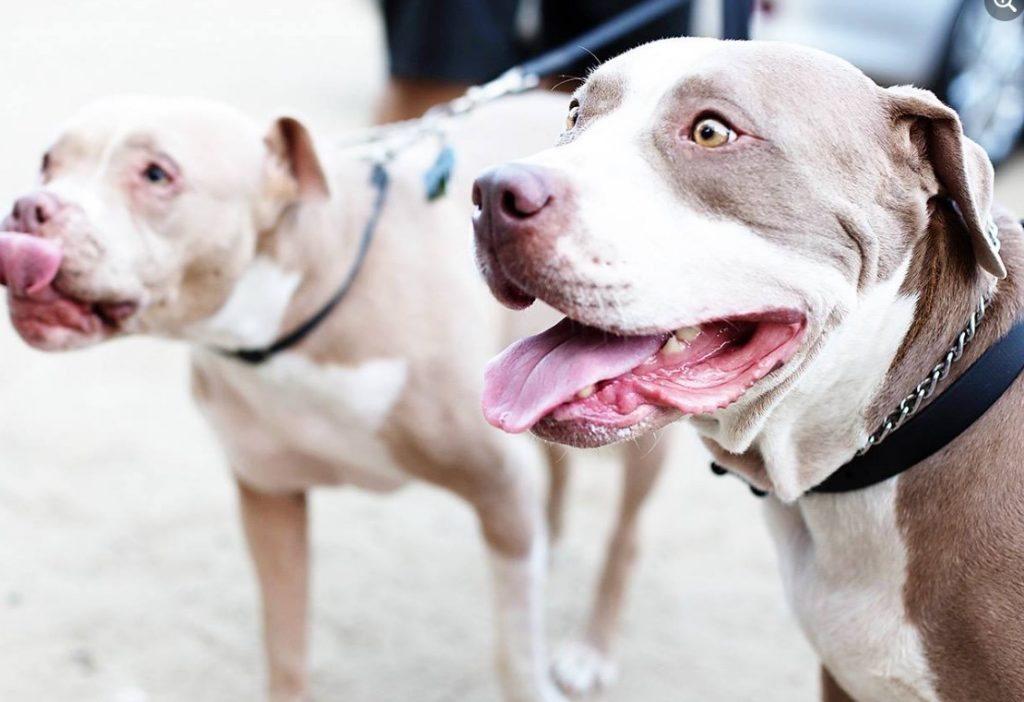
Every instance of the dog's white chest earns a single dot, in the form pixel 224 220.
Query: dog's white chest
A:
pixel 843 564
pixel 330 413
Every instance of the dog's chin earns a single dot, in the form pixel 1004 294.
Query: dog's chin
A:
pixel 59 322
pixel 585 386
pixel 589 434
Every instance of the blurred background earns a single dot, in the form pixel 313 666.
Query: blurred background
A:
pixel 123 576
pixel 954 47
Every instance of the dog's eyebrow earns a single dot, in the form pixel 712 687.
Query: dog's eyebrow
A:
pixel 703 87
pixel 140 141
pixel 602 94
pixel 696 86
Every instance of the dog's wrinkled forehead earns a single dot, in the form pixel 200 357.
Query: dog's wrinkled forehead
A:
pixel 205 138
pixel 778 88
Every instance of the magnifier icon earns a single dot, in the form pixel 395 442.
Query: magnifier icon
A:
pixel 1003 4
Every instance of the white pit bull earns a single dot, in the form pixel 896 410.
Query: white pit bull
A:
pixel 188 220
pixel 758 237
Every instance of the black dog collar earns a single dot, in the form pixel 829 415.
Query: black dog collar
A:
pixel 256 356
pixel 937 425
pixel 435 181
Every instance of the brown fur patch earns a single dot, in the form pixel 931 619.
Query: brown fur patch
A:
pixel 962 511
pixel 830 690
pixel 599 96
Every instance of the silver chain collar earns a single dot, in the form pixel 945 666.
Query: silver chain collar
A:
pixel 912 402
pixel 926 388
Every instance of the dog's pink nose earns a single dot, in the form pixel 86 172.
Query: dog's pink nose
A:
pixel 516 217
pixel 32 212
pixel 512 193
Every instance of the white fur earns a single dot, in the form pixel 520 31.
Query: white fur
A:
pixel 102 208
pixel 844 566
pixel 582 669
pixel 253 313
pixel 362 394
pixel 519 609
pixel 331 413
pixel 843 559
pixel 826 406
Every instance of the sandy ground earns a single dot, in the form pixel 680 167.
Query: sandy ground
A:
pixel 122 573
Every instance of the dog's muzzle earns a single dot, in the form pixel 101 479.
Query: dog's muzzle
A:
pixel 517 207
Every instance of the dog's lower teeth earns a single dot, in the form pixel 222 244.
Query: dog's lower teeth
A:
pixel 585 392
pixel 687 334
pixel 672 345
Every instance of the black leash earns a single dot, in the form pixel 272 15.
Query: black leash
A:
pixel 735 25
pixel 515 80
pixel 380 181
pixel 527 75
pixel 614 29
pixel 736 18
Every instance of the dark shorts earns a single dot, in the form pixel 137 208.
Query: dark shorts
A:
pixel 473 41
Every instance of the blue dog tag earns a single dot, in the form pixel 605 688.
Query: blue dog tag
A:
pixel 436 178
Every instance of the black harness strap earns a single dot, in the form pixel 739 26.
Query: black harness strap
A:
pixel 380 181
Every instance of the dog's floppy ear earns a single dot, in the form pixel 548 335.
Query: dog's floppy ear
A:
pixel 293 160
pixel 961 167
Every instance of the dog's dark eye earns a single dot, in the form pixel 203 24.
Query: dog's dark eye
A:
pixel 155 174
pixel 574 114
pixel 45 165
pixel 711 132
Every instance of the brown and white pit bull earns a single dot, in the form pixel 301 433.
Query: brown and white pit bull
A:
pixel 186 219
pixel 758 237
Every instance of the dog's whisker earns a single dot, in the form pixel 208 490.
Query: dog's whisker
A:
pixel 591 53
pixel 560 83
pixel 657 440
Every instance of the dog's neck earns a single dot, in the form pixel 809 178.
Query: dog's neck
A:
pixel 948 285
pixel 876 356
pixel 298 265
pixel 318 242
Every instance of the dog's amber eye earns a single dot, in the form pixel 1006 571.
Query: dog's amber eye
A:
pixel 712 133
pixel 574 114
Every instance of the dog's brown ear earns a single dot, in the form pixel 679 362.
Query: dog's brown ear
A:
pixel 962 169
pixel 293 155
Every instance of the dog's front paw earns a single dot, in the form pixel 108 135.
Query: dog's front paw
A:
pixel 580 669
pixel 550 693
pixel 278 696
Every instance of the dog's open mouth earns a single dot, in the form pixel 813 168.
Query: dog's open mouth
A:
pixel 43 313
pixel 578 375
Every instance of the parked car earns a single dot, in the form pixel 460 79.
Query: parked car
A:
pixel 974 62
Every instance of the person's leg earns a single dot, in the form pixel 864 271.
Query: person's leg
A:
pixel 408 98
pixel 438 48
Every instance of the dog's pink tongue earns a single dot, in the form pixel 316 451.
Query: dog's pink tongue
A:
pixel 536 374
pixel 28 264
